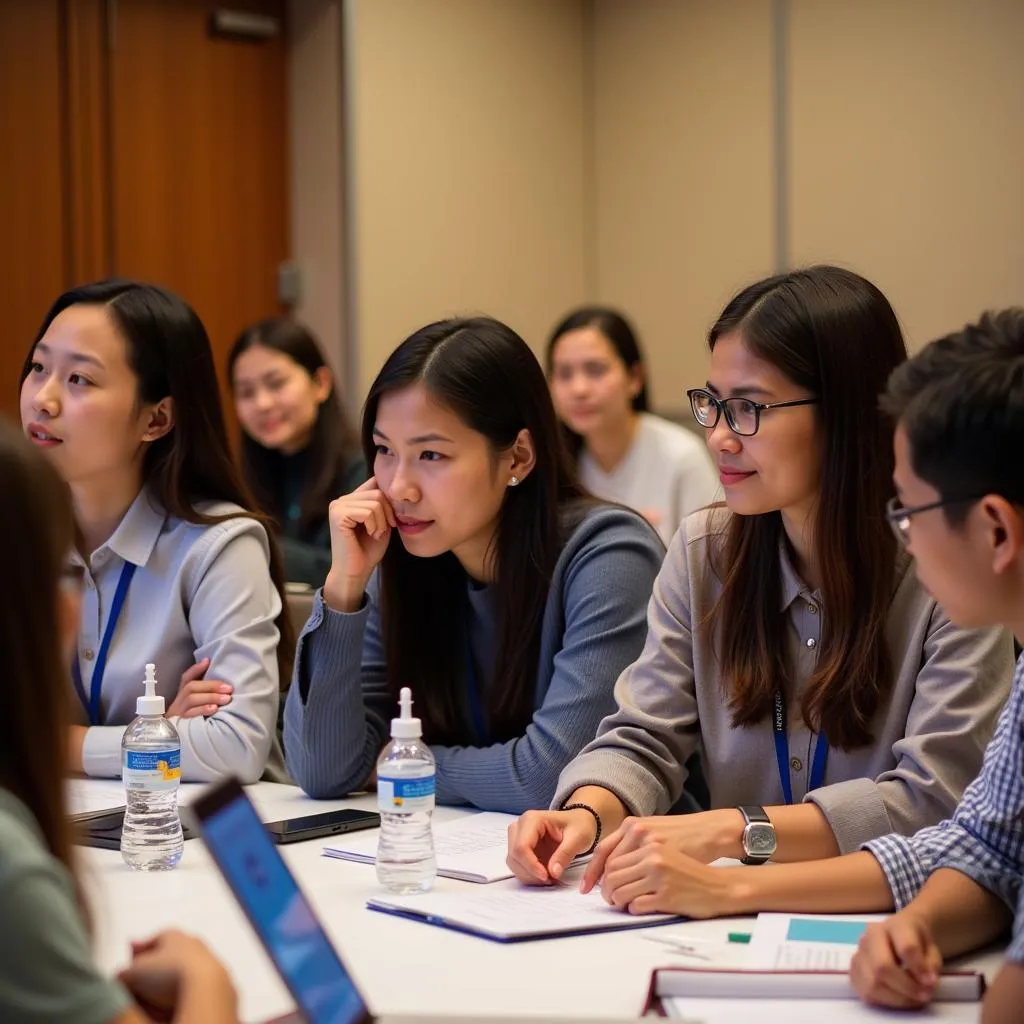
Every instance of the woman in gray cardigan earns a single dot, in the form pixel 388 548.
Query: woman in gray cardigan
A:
pixel 474 569
pixel 788 640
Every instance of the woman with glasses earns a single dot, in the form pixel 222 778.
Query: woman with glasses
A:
pixel 789 640
pixel 623 453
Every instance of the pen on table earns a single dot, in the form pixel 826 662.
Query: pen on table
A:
pixel 681 946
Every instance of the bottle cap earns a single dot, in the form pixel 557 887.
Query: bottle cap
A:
pixel 150 703
pixel 405 727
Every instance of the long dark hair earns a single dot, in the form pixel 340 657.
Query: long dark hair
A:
pixel 170 354
pixel 834 334
pixel 36 514
pixel 333 445
pixel 487 376
pixel 619 332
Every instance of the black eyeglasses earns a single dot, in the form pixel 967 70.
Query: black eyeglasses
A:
pixel 899 517
pixel 742 414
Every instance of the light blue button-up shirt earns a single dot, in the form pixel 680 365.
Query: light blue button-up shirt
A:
pixel 198 591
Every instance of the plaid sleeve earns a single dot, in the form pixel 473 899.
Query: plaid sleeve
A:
pixel 984 839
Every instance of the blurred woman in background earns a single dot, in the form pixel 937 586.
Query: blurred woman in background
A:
pixel 299 452
pixel 624 454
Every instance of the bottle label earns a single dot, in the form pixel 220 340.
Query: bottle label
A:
pixel 405 796
pixel 152 769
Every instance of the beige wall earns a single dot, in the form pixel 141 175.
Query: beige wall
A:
pixel 683 170
pixel 520 156
pixel 466 146
pixel 315 125
pixel 908 151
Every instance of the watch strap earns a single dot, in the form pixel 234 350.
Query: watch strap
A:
pixel 752 812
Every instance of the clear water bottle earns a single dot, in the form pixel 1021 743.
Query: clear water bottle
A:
pixel 151 838
pixel 405 798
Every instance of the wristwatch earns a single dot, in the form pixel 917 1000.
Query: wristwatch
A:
pixel 759 840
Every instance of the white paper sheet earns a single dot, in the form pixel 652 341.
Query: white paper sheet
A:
pixel 88 796
pixel 771 947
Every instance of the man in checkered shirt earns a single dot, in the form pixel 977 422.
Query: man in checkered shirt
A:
pixel 959 474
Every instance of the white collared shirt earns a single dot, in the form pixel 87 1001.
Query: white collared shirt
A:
pixel 198 591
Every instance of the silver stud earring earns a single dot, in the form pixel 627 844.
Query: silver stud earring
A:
pixel 514 481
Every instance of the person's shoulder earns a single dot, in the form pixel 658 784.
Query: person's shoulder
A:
pixel 230 520
pixel 21 842
pixel 670 439
pixel 589 523
pixel 200 545
pixel 705 525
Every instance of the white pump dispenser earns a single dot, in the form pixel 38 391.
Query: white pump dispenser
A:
pixel 405 727
pixel 150 703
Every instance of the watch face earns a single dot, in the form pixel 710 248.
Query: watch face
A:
pixel 759 839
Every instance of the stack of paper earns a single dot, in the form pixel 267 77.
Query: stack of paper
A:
pixel 472 849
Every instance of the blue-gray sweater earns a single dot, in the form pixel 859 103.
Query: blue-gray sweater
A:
pixel 338 713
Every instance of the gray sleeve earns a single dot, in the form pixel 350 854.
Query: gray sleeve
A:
pixel 337 713
pixel 606 590
pixel 232 613
pixel 641 749
pixel 48 975
pixel 962 684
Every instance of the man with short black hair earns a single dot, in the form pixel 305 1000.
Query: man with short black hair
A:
pixel 959 406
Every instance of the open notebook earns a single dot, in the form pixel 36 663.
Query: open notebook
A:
pixel 510 912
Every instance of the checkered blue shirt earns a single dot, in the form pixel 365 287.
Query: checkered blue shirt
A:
pixel 984 839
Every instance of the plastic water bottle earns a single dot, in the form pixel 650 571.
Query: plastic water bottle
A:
pixel 151 838
pixel 405 798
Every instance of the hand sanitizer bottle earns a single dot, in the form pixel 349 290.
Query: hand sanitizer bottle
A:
pixel 151 838
pixel 405 798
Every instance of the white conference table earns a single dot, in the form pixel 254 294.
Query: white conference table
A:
pixel 401 966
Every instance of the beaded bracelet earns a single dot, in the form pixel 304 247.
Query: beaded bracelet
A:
pixel 597 820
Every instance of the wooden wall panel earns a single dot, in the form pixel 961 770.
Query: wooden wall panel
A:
pixel 200 160
pixel 33 246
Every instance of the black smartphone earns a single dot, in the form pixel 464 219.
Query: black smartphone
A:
pixel 103 830
pixel 327 823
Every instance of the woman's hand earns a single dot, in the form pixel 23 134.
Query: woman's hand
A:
pixel 897 962
pixel 542 844
pixel 657 878
pixel 198 696
pixel 361 525
pixel 174 974
pixel 705 837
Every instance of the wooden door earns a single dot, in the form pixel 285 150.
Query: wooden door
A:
pixel 33 240
pixel 199 160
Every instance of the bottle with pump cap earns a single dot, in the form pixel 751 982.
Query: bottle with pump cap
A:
pixel 405 798
pixel 151 838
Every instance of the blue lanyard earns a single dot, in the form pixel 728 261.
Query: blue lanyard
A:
pixel 476 710
pixel 92 704
pixel 782 752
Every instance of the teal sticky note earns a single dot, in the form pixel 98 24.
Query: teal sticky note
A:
pixel 822 929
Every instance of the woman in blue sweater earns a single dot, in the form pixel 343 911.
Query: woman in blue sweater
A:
pixel 473 568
